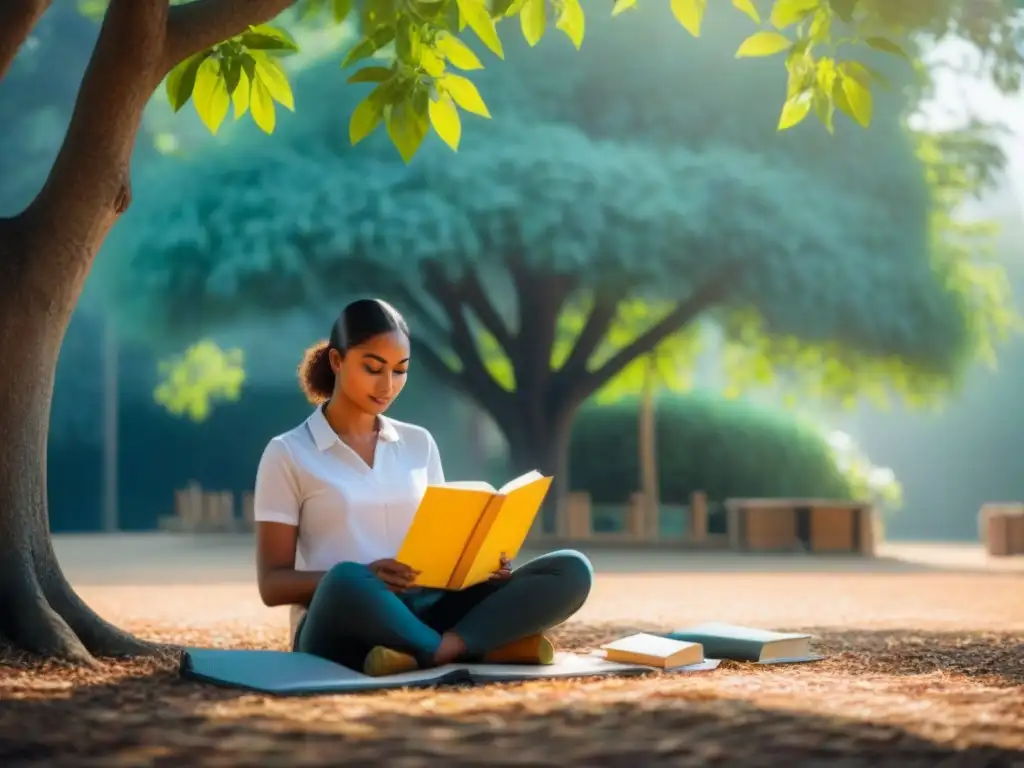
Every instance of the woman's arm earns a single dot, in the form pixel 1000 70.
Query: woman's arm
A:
pixel 277 503
pixel 279 582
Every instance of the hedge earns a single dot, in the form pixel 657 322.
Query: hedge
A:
pixel 726 448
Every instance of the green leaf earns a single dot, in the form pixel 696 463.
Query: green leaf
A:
pixel 825 109
pixel 232 69
pixel 826 75
pixel 885 45
pixel 210 95
pixel 272 75
pixel 844 9
pixel 369 45
pixel 240 97
pixel 622 5
pixel 794 110
pixel 370 75
pixel 763 43
pixel 408 44
pixel 182 79
pixel 572 21
pixel 787 12
pixel 456 52
pixel 821 26
pixel 465 94
pixel 341 10
pixel 533 19
pixel 476 15
pixel 690 13
pixel 445 119
pixel 432 64
pixel 261 105
pixel 747 6
pixel 858 100
pixel 869 75
pixel 266 38
pixel 407 124
pixel 514 9
pixel 367 115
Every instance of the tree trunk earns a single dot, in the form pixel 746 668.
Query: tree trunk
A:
pixel 39 611
pixel 46 253
pixel 647 447
pixel 545 448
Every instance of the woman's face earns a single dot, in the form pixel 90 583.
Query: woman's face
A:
pixel 372 374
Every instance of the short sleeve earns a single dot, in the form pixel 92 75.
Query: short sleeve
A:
pixel 276 498
pixel 435 473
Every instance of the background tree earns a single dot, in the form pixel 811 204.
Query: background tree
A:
pixel 47 250
pixel 587 196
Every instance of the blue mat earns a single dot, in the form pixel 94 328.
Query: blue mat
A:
pixel 285 673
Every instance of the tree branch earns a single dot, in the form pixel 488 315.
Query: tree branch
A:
pixel 684 312
pixel 606 304
pixel 435 329
pixel 435 363
pixel 478 381
pixel 476 298
pixel 199 25
pixel 17 20
pixel 540 297
pixel 89 185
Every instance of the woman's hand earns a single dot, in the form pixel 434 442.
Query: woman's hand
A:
pixel 504 571
pixel 398 576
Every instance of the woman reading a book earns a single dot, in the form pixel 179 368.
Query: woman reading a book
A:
pixel 334 499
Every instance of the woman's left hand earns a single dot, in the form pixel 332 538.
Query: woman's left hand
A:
pixel 504 571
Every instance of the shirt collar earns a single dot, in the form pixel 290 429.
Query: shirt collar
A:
pixel 324 436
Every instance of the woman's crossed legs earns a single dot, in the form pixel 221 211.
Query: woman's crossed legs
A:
pixel 353 612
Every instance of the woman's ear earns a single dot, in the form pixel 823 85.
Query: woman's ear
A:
pixel 336 359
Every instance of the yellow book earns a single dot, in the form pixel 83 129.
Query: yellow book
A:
pixel 461 529
pixel 654 651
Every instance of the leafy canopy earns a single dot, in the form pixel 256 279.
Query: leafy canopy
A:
pixel 415 53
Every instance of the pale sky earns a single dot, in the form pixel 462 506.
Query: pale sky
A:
pixel 958 95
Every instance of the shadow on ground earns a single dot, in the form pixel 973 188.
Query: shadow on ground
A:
pixel 151 717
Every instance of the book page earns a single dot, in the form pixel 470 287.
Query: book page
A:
pixel 509 530
pixel 469 485
pixel 438 535
pixel 518 482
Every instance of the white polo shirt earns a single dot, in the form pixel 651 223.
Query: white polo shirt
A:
pixel 344 509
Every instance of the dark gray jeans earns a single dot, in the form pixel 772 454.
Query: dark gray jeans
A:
pixel 352 610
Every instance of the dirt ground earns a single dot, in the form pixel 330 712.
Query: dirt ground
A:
pixel 925 667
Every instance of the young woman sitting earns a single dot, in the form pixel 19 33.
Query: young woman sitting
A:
pixel 334 498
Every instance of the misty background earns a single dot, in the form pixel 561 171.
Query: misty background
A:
pixel 948 461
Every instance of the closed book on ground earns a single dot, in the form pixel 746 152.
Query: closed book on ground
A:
pixel 461 529
pixel 738 643
pixel 653 651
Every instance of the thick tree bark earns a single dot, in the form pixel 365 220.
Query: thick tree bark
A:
pixel 17 19
pixel 542 444
pixel 46 254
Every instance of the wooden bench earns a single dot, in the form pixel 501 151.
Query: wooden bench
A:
pixel 199 511
pixel 801 525
pixel 641 524
pixel 1001 526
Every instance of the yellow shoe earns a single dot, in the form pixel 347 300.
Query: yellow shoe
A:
pixel 532 649
pixel 381 661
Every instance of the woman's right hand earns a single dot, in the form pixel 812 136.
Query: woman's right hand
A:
pixel 398 576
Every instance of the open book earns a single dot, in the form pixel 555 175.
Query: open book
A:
pixel 462 528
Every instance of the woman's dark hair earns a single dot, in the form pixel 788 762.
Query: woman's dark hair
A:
pixel 359 322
